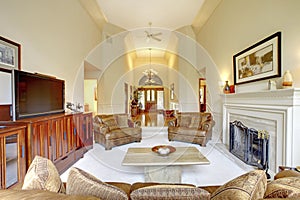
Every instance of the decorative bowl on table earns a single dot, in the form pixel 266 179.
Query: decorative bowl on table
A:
pixel 163 150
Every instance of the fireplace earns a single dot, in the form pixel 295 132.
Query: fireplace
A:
pixel 277 111
pixel 249 145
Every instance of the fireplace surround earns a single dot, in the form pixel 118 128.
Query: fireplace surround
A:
pixel 277 111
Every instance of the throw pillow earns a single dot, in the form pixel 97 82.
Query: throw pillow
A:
pixel 80 182
pixel 169 192
pixel 110 122
pixel 288 187
pixel 43 175
pixel 251 185
pixel 122 120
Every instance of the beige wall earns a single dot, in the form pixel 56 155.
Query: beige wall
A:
pixel 238 24
pixel 55 36
pixel 90 95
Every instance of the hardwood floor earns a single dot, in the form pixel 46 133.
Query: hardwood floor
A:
pixel 152 119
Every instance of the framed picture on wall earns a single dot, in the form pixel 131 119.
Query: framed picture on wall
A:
pixel 10 54
pixel 258 62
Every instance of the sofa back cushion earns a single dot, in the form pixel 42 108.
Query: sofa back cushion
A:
pixel 80 182
pixel 251 185
pixel 184 120
pixel 170 192
pixel 43 175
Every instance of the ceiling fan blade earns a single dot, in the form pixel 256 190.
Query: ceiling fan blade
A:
pixel 148 34
pixel 156 34
pixel 156 38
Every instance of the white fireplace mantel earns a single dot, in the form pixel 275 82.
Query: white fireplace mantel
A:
pixel 278 112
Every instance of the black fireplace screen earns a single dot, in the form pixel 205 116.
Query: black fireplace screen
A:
pixel 249 145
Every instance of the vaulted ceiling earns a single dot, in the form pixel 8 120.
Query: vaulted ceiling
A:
pixel 165 16
pixel 170 14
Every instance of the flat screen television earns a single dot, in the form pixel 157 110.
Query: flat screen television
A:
pixel 37 95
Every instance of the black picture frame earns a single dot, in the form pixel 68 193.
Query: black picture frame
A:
pixel 258 62
pixel 10 54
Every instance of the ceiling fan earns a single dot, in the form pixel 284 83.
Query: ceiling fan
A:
pixel 151 35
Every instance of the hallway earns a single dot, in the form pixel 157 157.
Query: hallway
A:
pixel 152 119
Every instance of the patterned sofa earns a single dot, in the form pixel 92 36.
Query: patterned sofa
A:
pixel 45 183
pixel 116 129
pixel 193 127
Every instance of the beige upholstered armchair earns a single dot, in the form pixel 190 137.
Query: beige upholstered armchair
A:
pixel 193 127
pixel 116 129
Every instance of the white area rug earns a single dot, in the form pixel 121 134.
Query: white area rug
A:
pixel 107 165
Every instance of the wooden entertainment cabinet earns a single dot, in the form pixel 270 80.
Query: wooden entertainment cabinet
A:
pixel 62 138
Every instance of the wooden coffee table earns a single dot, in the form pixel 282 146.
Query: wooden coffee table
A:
pixel 164 169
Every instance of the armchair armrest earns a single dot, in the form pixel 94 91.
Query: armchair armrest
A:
pixel 134 124
pixel 172 122
pixel 101 128
pixel 137 124
pixel 207 125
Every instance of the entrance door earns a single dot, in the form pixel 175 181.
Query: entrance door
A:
pixel 152 99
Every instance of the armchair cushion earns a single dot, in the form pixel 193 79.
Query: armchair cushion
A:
pixel 188 131
pixel 184 121
pixel 110 122
pixel 195 122
pixel 122 120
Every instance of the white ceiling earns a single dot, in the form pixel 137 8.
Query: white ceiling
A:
pixel 131 14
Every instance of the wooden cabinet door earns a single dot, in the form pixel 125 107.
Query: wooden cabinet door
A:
pixel 57 136
pixel 2 162
pixel 87 130
pixel 39 143
pixel 22 154
pixel 13 157
pixel 78 142
pixel 68 138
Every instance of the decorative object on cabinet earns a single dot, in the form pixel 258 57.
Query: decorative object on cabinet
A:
pixel 10 54
pixel 232 88
pixel 202 94
pixel 259 61
pixel 287 81
pixel 226 88
pixel 272 85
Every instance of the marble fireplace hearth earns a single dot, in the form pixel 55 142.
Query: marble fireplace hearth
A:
pixel 277 112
